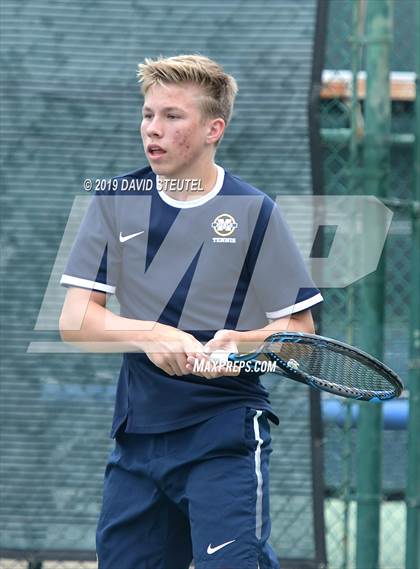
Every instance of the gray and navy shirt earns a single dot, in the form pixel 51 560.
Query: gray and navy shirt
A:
pixel 225 260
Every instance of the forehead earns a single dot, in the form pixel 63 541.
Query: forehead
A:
pixel 184 96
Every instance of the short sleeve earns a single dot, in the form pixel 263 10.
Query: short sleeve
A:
pixel 280 279
pixel 94 259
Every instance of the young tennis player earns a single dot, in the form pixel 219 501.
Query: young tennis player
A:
pixel 200 262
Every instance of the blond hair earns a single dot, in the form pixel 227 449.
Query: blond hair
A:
pixel 220 88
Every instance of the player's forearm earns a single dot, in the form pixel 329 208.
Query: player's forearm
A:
pixel 252 339
pixel 100 330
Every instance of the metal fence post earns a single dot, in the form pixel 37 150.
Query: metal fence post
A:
pixel 376 159
pixel 413 474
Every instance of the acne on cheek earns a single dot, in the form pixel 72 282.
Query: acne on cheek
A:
pixel 182 141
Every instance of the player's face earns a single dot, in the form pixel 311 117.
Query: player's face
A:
pixel 177 139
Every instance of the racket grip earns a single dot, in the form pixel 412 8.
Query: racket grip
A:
pixel 219 356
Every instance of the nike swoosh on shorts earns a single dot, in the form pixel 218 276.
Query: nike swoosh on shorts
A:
pixel 211 550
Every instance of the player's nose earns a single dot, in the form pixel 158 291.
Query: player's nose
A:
pixel 154 128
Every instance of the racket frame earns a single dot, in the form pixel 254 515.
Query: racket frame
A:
pixel 319 383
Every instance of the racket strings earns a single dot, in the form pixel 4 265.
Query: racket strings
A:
pixel 330 365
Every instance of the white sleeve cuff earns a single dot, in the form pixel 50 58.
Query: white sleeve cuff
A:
pixel 303 305
pixel 84 283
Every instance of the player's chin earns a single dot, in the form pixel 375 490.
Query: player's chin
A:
pixel 160 169
pixel 157 170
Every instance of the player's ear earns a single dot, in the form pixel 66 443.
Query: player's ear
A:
pixel 216 128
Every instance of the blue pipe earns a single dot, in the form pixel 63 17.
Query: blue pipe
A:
pixel 395 413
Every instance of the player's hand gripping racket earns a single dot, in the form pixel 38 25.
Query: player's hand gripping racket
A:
pixel 326 364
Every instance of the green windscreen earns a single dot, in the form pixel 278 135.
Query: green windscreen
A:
pixel 71 111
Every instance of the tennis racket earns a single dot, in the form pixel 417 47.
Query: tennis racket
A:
pixel 325 364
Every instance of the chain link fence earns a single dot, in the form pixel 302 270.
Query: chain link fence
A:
pixel 342 118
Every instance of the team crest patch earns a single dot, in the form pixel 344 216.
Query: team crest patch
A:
pixel 224 226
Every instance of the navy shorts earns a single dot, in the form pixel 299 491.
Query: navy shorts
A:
pixel 199 493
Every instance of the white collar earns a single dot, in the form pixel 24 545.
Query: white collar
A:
pixel 181 204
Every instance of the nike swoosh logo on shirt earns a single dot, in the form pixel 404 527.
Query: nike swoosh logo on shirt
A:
pixel 127 237
pixel 211 550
